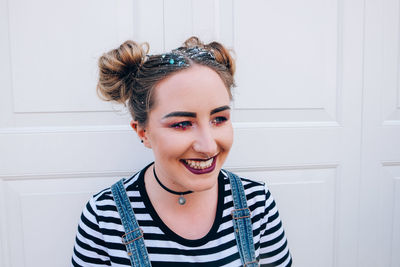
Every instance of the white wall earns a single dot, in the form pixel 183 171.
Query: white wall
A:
pixel 316 116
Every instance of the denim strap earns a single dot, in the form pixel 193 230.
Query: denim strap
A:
pixel 242 222
pixel 133 237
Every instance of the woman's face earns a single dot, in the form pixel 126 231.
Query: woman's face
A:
pixel 189 129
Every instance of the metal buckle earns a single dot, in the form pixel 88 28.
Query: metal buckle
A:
pixel 248 263
pixel 236 218
pixel 133 240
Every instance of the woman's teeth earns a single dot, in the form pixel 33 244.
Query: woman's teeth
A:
pixel 199 164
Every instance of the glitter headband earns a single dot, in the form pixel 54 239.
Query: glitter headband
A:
pixel 178 57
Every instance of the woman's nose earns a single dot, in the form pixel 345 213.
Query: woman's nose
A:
pixel 205 143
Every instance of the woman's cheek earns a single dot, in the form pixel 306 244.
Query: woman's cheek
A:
pixel 226 133
pixel 176 141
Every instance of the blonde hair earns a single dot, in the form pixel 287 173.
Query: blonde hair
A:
pixel 128 75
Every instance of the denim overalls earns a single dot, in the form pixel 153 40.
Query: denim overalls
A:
pixel 133 237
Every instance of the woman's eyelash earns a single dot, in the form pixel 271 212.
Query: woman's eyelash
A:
pixel 219 120
pixel 186 124
pixel 181 125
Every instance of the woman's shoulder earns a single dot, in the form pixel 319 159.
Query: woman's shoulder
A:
pixel 257 192
pixel 130 185
pixel 248 183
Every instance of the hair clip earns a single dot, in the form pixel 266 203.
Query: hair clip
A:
pixel 174 58
pixel 197 52
pixel 178 57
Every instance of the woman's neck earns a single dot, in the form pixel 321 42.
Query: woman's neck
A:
pixel 192 220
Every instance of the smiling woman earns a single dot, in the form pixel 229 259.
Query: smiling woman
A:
pixel 183 209
pixel 188 131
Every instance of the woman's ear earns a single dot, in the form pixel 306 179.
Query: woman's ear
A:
pixel 141 132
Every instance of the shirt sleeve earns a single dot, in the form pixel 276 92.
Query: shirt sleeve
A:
pixel 90 248
pixel 274 250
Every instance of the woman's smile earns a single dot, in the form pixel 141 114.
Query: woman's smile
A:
pixel 200 166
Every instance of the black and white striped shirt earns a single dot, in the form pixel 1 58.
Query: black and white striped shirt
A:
pixel 98 240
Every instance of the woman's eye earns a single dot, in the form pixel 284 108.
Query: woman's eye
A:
pixel 182 125
pixel 219 120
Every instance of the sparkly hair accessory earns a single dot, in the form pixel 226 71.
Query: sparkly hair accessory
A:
pixel 174 59
pixel 196 53
pixel 178 57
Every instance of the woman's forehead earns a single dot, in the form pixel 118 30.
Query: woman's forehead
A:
pixel 192 87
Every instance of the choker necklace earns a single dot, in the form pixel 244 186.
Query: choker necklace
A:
pixel 182 199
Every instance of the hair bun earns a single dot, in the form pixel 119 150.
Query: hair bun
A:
pixel 193 42
pixel 118 69
pixel 222 56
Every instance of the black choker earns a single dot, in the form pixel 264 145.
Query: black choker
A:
pixel 181 199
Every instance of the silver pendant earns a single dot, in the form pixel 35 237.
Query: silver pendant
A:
pixel 181 200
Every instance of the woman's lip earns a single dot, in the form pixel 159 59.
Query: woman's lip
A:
pixel 201 171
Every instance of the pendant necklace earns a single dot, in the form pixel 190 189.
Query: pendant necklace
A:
pixel 182 199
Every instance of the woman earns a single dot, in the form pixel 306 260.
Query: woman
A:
pixel 186 209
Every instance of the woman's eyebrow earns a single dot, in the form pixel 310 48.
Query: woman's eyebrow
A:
pixel 219 109
pixel 193 114
pixel 180 114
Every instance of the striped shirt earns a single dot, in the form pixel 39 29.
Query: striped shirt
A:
pixel 98 240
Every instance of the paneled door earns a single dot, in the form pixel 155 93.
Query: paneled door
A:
pixel 298 118
pixel 59 143
pixel 380 170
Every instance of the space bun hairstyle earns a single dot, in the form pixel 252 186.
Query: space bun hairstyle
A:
pixel 128 75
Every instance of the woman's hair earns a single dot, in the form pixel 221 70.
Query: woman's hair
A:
pixel 129 76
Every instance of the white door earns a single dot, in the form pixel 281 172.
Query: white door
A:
pixel 316 115
pixel 298 113
pixel 380 185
